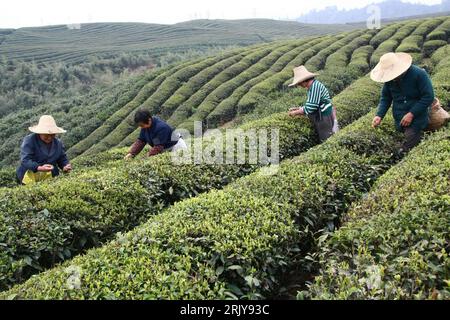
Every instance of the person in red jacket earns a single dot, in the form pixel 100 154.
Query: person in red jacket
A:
pixel 156 133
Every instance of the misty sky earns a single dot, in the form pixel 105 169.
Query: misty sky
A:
pixel 24 13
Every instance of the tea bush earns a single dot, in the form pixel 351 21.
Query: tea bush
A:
pixel 384 34
pixel 411 44
pixel 233 243
pixel 215 88
pixel 196 82
pixel 155 182
pixel 360 58
pixel 148 87
pixel 440 33
pixel 163 92
pixel 253 73
pixel 393 42
pixel 184 111
pixel 228 109
pixel 319 60
pixel 441 77
pixel 8 178
pixel 432 45
pixel 427 26
pixel 394 244
pixel 237 94
pixel 342 56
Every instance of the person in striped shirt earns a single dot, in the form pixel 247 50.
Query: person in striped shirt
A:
pixel 318 106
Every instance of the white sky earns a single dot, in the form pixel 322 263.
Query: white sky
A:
pixel 25 13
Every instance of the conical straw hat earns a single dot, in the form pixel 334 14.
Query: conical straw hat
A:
pixel 391 66
pixel 301 74
pixel 46 125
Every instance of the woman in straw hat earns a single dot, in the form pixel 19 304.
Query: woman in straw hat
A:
pixel 318 107
pixel 41 153
pixel 410 90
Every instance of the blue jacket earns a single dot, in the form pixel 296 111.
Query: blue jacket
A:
pixel 160 133
pixel 34 153
pixel 413 93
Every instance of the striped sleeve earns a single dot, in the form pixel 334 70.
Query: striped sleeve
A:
pixel 314 96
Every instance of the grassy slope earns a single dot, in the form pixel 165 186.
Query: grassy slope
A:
pixel 182 95
pixel 247 260
pixel 60 43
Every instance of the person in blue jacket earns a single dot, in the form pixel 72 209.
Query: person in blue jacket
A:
pixel 42 155
pixel 156 133
pixel 409 89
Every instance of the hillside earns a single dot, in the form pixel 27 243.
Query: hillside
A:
pixel 221 88
pixel 347 219
pixel 70 44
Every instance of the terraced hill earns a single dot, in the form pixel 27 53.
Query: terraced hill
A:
pixel 233 86
pixel 181 237
pixel 69 44
pixel 220 88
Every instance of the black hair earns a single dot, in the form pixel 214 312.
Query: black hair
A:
pixel 142 116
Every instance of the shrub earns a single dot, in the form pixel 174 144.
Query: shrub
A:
pixel 193 103
pixel 360 58
pixel 233 243
pixel 432 45
pixel 319 60
pixel 441 77
pixel 437 35
pixel 383 35
pixel 392 43
pixel 427 26
pixel 179 104
pixel 196 82
pixel 8 178
pixel 441 32
pixel 226 89
pixel 226 109
pixel 258 92
pixel 342 56
pixel 411 44
pixel 148 86
pixel 95 196
pixel 394 245
pixel 189 106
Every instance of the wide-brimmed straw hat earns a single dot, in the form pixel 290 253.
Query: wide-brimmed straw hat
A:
pixel 391 66
pixel 301 74
pixel 46 125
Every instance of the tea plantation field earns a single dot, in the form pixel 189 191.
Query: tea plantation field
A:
pixel 74 43
pixel 353 216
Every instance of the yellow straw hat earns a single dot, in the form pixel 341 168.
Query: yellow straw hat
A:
pixel 46 125
pixel 301 74
pixel 391 66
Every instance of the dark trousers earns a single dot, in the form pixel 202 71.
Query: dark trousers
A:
pixel 323 125
pixel 412 139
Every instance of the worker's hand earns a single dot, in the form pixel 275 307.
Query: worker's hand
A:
pixel 128 157
pixel 407 120
pixel 376 121
pixel 294 112
pixel 45 168
pixel 68 168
